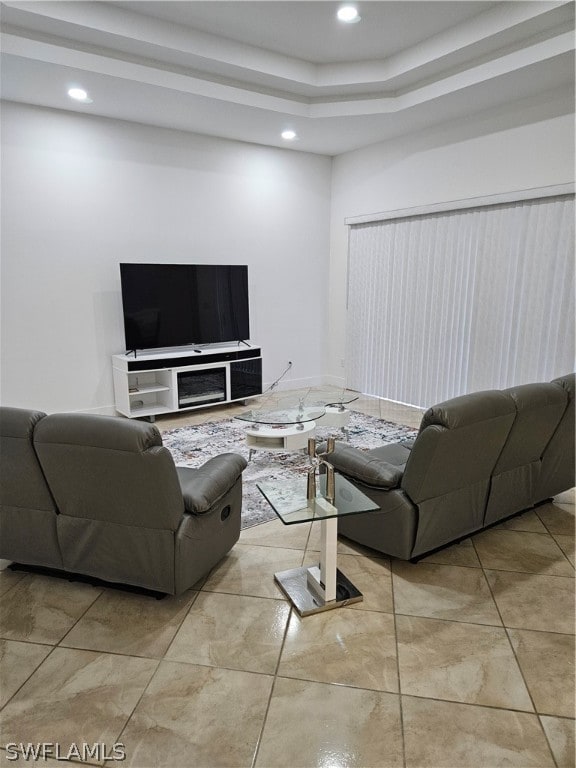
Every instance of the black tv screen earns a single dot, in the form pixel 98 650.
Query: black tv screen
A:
pixel 170 305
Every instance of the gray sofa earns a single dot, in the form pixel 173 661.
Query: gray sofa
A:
pixel 477 459
pixel 101 496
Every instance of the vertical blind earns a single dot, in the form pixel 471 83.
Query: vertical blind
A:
pixel 459 301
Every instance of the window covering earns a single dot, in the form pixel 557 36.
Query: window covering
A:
pixel 460 301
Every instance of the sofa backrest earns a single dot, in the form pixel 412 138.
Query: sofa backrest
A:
pixel 27 509
pixel 458 443
pixel 557 472
pixel 109 469
pixel 539 408
pixel 23 484
pixel 448 472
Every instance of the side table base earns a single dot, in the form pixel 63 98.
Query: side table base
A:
pixel 294 584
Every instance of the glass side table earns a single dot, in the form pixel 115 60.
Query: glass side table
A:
pixel 323 587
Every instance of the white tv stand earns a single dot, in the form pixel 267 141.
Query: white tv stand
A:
pixel 158 381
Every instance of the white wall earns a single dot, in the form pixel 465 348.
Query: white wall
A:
pixel 531 146
pixel 81 194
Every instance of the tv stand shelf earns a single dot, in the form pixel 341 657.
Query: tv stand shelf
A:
pixel 161 381
pixel 146 390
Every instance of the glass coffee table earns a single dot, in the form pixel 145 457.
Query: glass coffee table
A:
pixel 322 587
pixel 280 428
pixel 286 424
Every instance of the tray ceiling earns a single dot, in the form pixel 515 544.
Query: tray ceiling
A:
pixel 248 70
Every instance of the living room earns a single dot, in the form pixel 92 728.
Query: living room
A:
pixel 150 172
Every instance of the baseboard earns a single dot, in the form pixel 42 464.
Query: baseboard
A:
pixel 400 402
pixel 103 410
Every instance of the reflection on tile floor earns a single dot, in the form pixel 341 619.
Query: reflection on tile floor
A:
pixel 464 660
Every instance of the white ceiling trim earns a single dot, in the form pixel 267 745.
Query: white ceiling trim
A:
pixel 549 49
pixel 155 36
pixel 55 54
pixel 125 70
pixel 114 27
pixel 501 61
pixel 439 47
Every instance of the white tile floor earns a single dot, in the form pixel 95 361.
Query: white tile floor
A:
pixel 463 660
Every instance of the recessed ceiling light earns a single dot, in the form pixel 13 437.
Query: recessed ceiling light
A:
pixel 288 135
pixel 349 14
pixel 79 94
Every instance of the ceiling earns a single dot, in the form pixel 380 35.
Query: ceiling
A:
pixel 247 70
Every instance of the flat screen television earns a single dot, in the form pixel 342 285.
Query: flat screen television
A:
pixel 171 305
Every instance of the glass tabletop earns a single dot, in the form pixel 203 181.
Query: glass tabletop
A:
pixel 293 409
pixel 288 500
pixel 279 415
pixel 328 396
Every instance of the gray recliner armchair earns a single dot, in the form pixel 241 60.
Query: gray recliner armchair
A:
pixel 477 459
pixel 114 505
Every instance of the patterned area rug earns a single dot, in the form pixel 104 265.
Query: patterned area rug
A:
pixel 192 446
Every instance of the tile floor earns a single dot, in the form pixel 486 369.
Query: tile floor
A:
pixel 465 659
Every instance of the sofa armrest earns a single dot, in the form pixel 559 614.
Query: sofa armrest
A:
pixel 358 465
pixel 202 487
